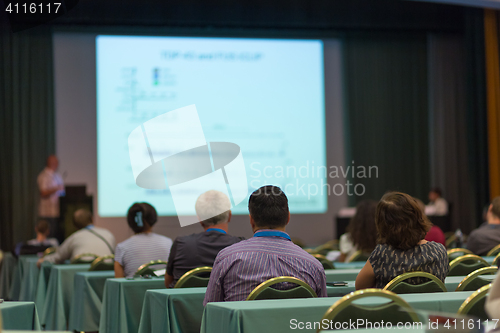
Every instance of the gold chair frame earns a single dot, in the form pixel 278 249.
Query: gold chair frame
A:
pixel 78 257
pixel 261 287
pixel 98 260
pixel 496 261
pixel 458 249
pixel 466 257
pixel 321 257
pixel 49 250
pixel 348 299
pixel 493 251
pixel 188 274
pixel 473 299
pixel 481 271
pixel 405 276
pixel 151 263
pixel 354 256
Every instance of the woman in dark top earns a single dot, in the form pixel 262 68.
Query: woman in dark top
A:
pixel 401 227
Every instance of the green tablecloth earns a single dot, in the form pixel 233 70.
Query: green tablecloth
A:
pixel 29 277
pixel 349 265
pixel 276 315
pixel 172 310
pixel 122 303
pixel 9 264
pixel 20 316
pixel 55 311
pixel 42 284
pixel 85 310
pixel 341 274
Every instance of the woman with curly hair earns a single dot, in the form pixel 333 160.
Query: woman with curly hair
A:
pixel 361 232
pixel 401 227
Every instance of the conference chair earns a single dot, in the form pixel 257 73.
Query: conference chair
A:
pixel 399 285
pixel 464 265
pixel 264 290
pixel 457 252
pixel 474 304
pixel 327 264
pixel 357 256
pixel 345 310
pixel 474 281
pixel 192 278
pixel 84 258
pixel 323 249
pixel 146 269
pixel 496 261
pixel 48 251
pixel 450 241
pixel 105 263
pixel 494 251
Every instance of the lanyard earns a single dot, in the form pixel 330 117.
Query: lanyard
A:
pixel 217 229
pixel 272 233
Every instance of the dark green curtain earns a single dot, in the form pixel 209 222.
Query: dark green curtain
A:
pixel 386 112
pixel 477 135
pixel 27 134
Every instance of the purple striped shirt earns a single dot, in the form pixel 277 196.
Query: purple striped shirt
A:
pixel 241 267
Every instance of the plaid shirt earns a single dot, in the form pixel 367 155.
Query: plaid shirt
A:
pixel 241 267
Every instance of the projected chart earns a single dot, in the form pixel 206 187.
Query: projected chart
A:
pixel 266 96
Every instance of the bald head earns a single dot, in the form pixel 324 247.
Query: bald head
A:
pixel 52 162
pixel 82 218
pixel 213 207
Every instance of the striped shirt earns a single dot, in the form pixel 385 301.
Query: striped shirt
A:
pixel 141 249
pixel 241 267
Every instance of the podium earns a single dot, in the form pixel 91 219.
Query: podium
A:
pixel 76 198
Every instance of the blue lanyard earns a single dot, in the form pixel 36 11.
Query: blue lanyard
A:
pixel 217 229
pixel 273 233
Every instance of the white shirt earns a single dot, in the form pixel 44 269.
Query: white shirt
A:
pixel 141 249
pixel 83 241
pixel 346 246
pixel 438 207
pixel 49 206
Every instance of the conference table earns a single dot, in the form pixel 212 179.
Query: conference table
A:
pixel 86 303
pixel 19 316
pixel 122 303
pixel 9 265
pixel 282 315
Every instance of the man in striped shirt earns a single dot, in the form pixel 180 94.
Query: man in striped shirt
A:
pixel 241 267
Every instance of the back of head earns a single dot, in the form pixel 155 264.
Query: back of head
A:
pixel 42 227
pixel 268 207
pixel 141 216
pixel 400 221
pixel 437 190
pixel 213 207
pixel 82 218
pixel 495 207
pixel 362 227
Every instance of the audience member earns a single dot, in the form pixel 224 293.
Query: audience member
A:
pixel 145 245
pixel 88 239
pixel 435 234
pixel 241 267
pixel 401 227
pixel 42 230
pixel 361 231
pixel 437 204
pixel 197 250
pixel 492 305
pixel 487 236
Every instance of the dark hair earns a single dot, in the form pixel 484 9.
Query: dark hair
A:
pixel 362 227
pixel 82 218
pixel 495 207
pixel 400 221
pixel 42 226
pixel 437 190
pixel 268 207
pixel 140 214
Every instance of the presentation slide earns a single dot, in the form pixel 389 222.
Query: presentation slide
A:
pixel 262 98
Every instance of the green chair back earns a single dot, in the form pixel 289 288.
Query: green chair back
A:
pixel 494 251
pixel 457 252
pixel 467 264
pixel 496 261
pixel 264 290
pixel 474 281
pixel 146 269
pixel 191 279
pixel 84 258
pixel 357 256
pixel 327 264
pixel 399 284
pixel 474 304
pixel 105 263
pixel 397 310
